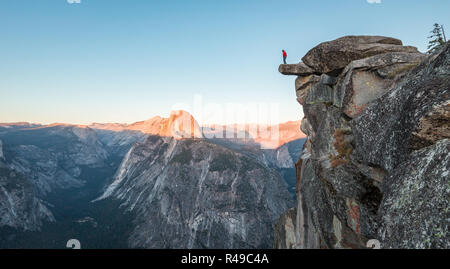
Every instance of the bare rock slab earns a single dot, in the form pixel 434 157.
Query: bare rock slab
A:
pixel 334 56
pixel 363 81
pixel 299 69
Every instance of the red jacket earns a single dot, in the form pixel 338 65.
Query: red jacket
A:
pixel 284 54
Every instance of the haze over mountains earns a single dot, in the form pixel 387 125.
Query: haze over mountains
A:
pixel 181 124
pixel 158 175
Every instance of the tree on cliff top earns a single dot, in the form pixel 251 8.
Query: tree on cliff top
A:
pixel 437 38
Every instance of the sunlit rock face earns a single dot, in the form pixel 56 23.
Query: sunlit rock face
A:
pixel 333 56
pixel 363 81
pixel 377 121
pixel 39 163
pixel 190 193
pixel 179 125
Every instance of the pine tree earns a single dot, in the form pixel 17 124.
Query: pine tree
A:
pixel 437 38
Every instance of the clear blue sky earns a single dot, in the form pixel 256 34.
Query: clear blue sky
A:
pixel 129 60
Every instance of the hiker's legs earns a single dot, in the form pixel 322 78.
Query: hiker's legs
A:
pixel 284 60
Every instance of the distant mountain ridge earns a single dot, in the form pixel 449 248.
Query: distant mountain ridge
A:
pixel 182 124
pixel 179 125
pixel 63 167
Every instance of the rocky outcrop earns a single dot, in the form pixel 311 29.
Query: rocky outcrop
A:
pixel 333 56
pixel 190 193
pixel 363 81
pixel 286 227
pixel 118 143
pixel 119 138
pixel 375 165
pixel 299 69
pixel 415 205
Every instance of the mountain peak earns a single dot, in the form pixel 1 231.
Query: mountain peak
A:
pixel 180 124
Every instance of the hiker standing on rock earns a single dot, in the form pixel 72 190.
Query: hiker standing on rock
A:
pixel 284 56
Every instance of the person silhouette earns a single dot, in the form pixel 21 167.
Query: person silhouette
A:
pixel 284 56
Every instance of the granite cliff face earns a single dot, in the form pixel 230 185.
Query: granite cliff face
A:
pixel 195 194
pixel 19 205
pixel 192 193
pixel 376 162
pixel 53 156
pixel 180 124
